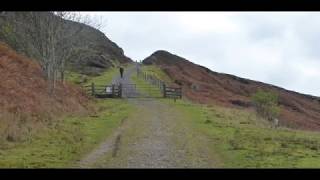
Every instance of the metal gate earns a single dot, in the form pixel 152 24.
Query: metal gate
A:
pixel 133 91
pixel 140 91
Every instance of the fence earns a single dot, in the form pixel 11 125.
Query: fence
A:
pixel 150 79
pixel 100 91
pixel 159 89
pixel 168 92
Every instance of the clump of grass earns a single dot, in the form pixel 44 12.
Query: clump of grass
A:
pixel 207 121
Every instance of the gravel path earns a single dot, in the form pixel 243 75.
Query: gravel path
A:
pixel 128 89
pixel 153 137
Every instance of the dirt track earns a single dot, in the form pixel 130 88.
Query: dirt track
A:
pixel 156 136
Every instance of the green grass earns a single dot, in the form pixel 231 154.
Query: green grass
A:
pixel 75 77
pixel 240 139
pixel 103 79
pixel 145 87
pixel 156 72
pixel 67 141
pixel 107 76
pixel 85 81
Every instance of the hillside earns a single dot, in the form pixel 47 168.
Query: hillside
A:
pixel 205 86
pixel 95 52
pixel 25 102
pixel 41 130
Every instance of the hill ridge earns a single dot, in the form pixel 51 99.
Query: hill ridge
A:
pixel 203 85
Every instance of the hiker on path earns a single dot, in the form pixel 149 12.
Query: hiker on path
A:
pixel 121 71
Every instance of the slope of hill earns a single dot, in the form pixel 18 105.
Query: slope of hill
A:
pixel 205 86
pixel 25 102
pixel 97 52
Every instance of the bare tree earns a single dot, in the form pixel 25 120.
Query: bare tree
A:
pixel 54 46
pixel 67 43
pixel 51 36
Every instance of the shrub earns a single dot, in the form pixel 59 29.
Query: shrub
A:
pixel 266 104
pixel 8 35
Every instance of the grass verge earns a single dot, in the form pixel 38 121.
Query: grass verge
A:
pixel 67 141
pixel 242 140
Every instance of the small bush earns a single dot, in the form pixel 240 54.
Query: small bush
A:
pixel 266 104
pixel 235 144
pixel 207 121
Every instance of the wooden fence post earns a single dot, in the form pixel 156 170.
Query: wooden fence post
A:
pixel 164 90
pixel 120 90
pixel 113 92
pixel 92 89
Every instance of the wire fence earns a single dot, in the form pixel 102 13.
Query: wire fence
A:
pixel 167 91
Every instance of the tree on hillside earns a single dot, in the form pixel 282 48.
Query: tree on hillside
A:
pixel 49 33
pixel 54 45
pixel 266 104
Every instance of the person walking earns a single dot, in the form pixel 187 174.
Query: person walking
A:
pixel 121 71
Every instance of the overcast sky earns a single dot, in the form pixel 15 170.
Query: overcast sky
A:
pixel 280 48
